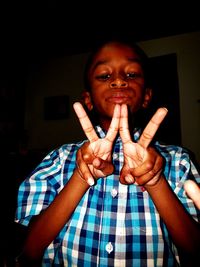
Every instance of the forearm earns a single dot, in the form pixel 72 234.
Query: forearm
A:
pixel 184 230
pixel 47 225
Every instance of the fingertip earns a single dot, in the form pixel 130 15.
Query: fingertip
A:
pixel 124 110
pixel 188 184
pixel 76 105
pixel 124 106
pixel 191 187
pixel 163 110
pixel 117 110
pixel 129 179
pixel 90 181
pixel 97 162
pixel 161 113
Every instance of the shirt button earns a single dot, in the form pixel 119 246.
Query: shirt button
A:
pixel 115 156
pixel 113 192
pixel 109 247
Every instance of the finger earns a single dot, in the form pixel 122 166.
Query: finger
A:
pixel 83 169
pixel 193 192
pixel 104 166
pixel 85 122
pixel 152 127
pixel 87 153
pixel 149 176
pixel 123 125
pixel 125 176
pixel 150 167
pixel 114 126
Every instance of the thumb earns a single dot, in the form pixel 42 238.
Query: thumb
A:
pixel 106 167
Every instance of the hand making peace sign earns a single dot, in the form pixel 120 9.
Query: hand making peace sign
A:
pixel 94 157
pixel 140 162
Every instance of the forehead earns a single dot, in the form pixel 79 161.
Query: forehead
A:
pixel 114 52
pixel 116 48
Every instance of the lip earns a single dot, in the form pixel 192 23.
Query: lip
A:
pixel 118 98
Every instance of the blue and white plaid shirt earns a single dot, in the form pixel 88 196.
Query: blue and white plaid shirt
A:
pixel 114 224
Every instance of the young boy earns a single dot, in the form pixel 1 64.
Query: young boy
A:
pixel 117 198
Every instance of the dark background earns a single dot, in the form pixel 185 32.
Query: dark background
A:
pixel 33 33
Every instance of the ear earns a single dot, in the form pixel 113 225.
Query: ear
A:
pixel 86 98
pixel 147 97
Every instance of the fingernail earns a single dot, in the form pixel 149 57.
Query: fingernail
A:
pixel 90 181
pixel 129 179
pixel 142 188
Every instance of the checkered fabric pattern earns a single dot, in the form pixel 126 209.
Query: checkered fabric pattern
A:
pixel 114 224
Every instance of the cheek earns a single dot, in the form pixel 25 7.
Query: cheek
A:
pixel 98 91
pixel 97 99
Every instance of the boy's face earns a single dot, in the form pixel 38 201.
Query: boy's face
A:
pixel 116 76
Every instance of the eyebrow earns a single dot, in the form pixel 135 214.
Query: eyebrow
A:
pixel 133 60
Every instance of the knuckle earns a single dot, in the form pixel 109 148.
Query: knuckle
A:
pixel 146 135
pixel 86 157
pixel 149 166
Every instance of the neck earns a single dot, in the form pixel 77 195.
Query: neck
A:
pixel 105 123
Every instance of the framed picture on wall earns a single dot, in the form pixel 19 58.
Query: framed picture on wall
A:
pixel 56 107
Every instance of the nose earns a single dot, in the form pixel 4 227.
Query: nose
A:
pixel 118 83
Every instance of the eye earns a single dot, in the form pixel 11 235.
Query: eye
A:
pixel 133 75
pixel 103 77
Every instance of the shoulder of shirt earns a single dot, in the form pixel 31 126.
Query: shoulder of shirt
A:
pixel 171 149
pixel 64 149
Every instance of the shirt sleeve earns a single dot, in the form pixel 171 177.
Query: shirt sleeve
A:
pixel 38 190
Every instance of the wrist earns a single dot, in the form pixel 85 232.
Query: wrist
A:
pixel 156 185
pixel 89 181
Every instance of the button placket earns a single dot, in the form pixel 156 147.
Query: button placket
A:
pixel 115 156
